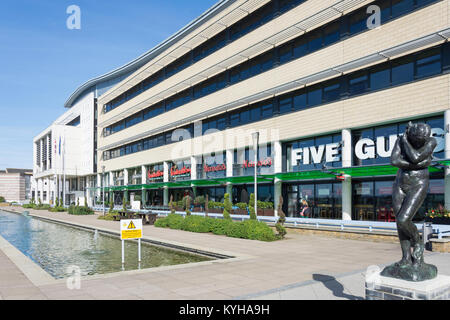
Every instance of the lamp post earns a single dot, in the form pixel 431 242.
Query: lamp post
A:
pixel 103 189
pixel 255 136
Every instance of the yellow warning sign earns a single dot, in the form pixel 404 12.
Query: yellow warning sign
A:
pixel 131 229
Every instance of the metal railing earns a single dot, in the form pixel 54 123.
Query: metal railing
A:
pixel 342 225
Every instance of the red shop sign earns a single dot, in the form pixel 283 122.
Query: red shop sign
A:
pixel 220 167
pixel 179 172
pixel 153 175
pixel 264 163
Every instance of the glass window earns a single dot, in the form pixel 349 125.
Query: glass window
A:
pixel 285 105
pixel 315 96
pixel 363 201
pixel 315 41
pixel 358 22
pixel 402 73
pixel 331 34
pixel 380 78
pixel 428 65
pixel 267 111
pixel 331 92
pixel 245 117
pixel 300 101
pixel 358 83
pixel 255 114
pixel 234 119
pixel 285 53
pixel 400 7
pixel 300 47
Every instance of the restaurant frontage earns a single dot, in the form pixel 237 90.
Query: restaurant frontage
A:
pixel 313 171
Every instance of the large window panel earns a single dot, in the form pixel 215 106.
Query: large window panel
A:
pixel 314 96
pixel 358 83
pixel 331 92
pixel 380 78
pixel 400 7
pixel 285 105
pixel 428 64
pixel 402 72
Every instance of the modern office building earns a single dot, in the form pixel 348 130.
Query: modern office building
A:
pixel 67 149
pixel 15 184
pixel 329 85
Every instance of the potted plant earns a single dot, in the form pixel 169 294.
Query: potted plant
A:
pixel 437 216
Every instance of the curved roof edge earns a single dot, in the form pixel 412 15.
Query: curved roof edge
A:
pixel 149 55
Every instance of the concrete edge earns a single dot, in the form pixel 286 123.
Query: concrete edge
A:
pixel 29 268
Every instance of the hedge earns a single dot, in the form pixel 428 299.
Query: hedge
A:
pixel 80 211
pixel 249 229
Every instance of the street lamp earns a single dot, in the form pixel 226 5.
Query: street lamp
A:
pixel 255 136
pixel 103 189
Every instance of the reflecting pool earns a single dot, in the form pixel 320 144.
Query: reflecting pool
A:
pixel 55 247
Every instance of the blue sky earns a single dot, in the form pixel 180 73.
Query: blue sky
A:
pixel 42 62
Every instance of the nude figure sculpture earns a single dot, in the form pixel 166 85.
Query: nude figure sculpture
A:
pixel 412 154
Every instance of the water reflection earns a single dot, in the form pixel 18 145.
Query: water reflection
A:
pixel 55 247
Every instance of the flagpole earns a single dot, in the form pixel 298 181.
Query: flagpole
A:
pixel 64 170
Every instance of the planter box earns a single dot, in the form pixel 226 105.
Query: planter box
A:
pixel 438 220
pixel 268 212
pixel 213 210
pixel 240 212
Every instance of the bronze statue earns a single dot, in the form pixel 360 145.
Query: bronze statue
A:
pixel 412 154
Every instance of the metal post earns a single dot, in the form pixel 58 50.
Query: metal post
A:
pixel 139 250
pixel 255 150
pixel 123 253
pixel 103 189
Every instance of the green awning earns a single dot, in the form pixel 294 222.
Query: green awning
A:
pixel 304 175
pixel 328 173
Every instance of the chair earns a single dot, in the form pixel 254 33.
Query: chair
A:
pixel 382 214
pixel 391 215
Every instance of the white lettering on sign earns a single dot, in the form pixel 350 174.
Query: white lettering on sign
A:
pixel 364 149
pixel 316 154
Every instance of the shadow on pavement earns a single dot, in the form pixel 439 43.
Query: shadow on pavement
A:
pixel 335 286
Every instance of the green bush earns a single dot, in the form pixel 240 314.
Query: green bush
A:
pixel 57 209
pixel 109 216
pixel 43 207
pixel 227 206
pixel 28 206
pixel 242 205
pixel 2 199
pixel 249 229
pixel 80 211
pixel 215 205
pixel 251 207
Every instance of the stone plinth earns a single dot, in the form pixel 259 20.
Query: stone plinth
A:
pixel 385 288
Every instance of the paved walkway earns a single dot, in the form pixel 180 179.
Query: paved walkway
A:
pixel 300 267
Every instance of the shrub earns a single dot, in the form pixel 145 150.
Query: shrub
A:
pixel 251 207
pixel 43 207
pixel 195 224
pixel 249 229
pixel 28 206
pixel 199 200
pixel 57 209
pixel 227 206
pixel 188 205
pixel 80 211
pixel 2 199
pixel 242 205
pixel 109 216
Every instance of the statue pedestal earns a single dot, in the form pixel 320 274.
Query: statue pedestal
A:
pixel 385 288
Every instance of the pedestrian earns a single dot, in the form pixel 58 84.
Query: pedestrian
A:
pixel 306 210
